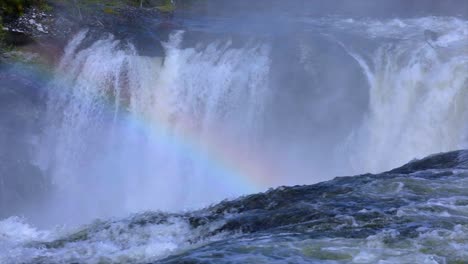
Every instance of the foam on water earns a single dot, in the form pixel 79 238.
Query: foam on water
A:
pixel 126 128
pixel 418 93
pixel 100 242
pixel 417 87
pixel 418 216
pixel 136 132
pixel 130 133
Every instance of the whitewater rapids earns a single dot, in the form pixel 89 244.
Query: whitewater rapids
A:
pixel 125 128
pixel 126 133
pixel 414 214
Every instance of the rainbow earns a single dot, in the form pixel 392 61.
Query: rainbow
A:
pixel 243 171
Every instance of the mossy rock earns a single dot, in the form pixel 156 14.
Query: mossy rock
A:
pixel 109 10
pixel 166 8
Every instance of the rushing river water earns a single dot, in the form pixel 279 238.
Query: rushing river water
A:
pixel 228 107
pixel 221 118
pixel 414 214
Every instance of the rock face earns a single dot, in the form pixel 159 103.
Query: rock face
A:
pixel 36 31
pixel 56 25
pixel 33 22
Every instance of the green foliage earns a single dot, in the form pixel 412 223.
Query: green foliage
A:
pixel 12 7
pixel 167 6
pixel 44 6
pixel 16 7
pixel 110 6
pixel 109 10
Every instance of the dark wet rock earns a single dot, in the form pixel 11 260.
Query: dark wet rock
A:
pixel 145 27
pixel 34 23
pixel 454 160
pixel 16 38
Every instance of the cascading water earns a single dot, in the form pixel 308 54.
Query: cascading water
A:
pixel 128 133
pixel 418 93
pixel 131 133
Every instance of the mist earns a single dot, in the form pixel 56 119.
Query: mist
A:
pixel 228 98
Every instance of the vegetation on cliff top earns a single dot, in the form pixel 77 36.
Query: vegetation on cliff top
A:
pixel 15 8
pixel 11 9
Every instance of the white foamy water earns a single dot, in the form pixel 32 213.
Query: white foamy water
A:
pixel 126 133
pixel 99 242
pixel 129 133
pixel 414 217
pixel 418 92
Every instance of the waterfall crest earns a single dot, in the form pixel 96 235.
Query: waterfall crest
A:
pixel 128 132
pixel 418 94
pixel 214 120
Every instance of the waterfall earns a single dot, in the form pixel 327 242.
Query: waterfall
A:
pixel 214 120
pixel 418 94
pixel 128 133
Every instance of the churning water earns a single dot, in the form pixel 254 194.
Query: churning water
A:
pixel 134 128
pixel 415 214
pixel 219 118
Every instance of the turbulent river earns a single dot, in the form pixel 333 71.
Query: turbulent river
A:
pixel 417 213
pixel 143 141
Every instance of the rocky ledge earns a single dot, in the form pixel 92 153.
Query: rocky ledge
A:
pixel 46 30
